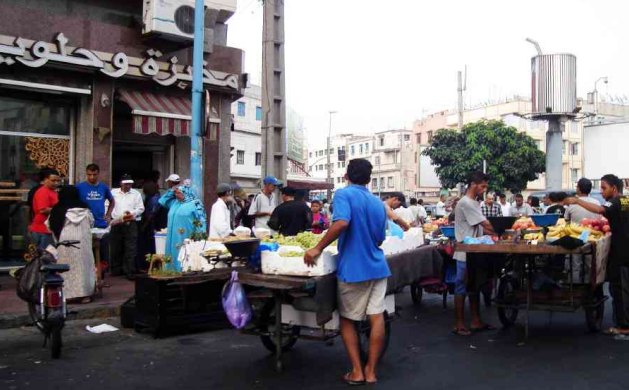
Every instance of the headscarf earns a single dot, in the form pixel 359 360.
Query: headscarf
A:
pixel 68 199
pixel 190 196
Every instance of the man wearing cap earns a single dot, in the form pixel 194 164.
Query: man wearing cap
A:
pixel 161 215
pixel 220 220
pixel 292 216
pixel 264 203
pixel 127 212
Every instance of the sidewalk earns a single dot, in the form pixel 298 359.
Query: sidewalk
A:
pixel 14 311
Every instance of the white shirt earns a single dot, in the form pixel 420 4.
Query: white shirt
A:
pixel 526 209
pixel 219 220
pixel 441 209
pixel 506 209
pixel 263 204
pixel 405 214
pixel 576 213
pixel 127 201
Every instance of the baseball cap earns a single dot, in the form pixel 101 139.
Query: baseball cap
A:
pixel 173 178
pixel 223 187
pixel 126 179
pixel 272 180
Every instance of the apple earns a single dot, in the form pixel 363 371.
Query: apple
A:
pixel 597 228
pixel 607 229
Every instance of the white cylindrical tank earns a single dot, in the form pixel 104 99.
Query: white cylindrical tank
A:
pixel 554 84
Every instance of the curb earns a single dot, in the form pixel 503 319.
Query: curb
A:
pixel 8 321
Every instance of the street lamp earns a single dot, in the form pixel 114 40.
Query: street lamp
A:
pixel 605 80
pixel 328 153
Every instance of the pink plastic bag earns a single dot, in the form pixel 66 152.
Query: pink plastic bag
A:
pixel 235 303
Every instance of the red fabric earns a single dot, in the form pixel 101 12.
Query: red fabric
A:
pixel 43 198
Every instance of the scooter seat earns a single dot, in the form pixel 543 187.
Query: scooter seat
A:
pixel 58 268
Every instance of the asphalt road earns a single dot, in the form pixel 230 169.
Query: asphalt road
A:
pixel 423 355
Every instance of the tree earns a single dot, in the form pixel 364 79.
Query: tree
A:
pixel 512 158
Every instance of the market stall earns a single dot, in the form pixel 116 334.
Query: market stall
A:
pixel 539 273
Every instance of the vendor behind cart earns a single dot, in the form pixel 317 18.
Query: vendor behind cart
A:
pixel 470 273
pixel 617 212
pixel 360 222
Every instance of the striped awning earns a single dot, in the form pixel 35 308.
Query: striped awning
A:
pixel 158 113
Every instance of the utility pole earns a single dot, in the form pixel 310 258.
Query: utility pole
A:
pixel 330 181
pixel 274 140
pixel 196 168
pixel 460 90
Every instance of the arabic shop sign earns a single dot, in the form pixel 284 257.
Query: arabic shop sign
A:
pixel 37 54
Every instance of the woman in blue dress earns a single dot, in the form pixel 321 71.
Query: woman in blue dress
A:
pixel 184 208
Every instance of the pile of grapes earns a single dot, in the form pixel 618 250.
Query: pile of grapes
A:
pixel 305 240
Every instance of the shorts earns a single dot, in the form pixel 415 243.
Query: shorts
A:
pixel 472 275
pixel 358 300
pixel 460 282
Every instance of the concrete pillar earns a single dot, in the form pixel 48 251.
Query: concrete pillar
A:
pixel 554 154
pixel 84 138
pixel 103 125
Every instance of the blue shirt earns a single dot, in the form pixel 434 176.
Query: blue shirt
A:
pixel 360 256
pixel 94 197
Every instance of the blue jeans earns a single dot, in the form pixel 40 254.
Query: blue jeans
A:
pixel 41 240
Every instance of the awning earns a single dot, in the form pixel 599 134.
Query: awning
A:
pixel 161 114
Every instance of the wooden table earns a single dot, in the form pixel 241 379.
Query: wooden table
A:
pixel 528 253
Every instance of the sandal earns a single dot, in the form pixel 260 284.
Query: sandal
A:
pixel 611 332
pixel 484 328
pixel 350 382
pixel 461 332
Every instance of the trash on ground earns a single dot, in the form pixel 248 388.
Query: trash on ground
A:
pixel 102 328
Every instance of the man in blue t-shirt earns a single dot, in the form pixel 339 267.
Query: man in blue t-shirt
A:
pixel 360 222
pixel 94 194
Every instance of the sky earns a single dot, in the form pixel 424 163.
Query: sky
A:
pixel 384 64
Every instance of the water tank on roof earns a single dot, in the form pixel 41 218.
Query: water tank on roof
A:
pixel 554 85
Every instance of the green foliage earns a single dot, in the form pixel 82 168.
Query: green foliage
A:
pixel 198 234
pixel 512 158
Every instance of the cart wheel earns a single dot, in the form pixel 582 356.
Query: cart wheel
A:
pixel 594 314
pixel 417 292
pixel 290 334
pixel 506 295
pixel 364 330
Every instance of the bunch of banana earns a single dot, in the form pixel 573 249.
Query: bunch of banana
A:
pixel 534 236
pixel 556 232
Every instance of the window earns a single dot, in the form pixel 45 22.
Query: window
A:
pixel 338 150
pixel 258 159
pixel 429 136
pixel 538 144
pixel 320 167
pixel 390 180
pixel 352 150
pixel 310 154
pixel 331 152
pixel 242 109
pixel 377 160
pixel 366 148
pixel 338 164
pixel 564 148
pixel 574 149
pixel 360 149
pixel 382 182
pixel 407 137
pixel 575 174
pixel 374 183
pixel 381 141
pixel 240 157
pixel 343 166
pixel 258 113
pixel 574 127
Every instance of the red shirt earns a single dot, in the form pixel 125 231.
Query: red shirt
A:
pixel 43 198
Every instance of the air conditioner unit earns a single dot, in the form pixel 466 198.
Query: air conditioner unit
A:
pixel 174 19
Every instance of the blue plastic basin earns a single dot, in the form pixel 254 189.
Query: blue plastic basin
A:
pixel 448 231
pixel 545 219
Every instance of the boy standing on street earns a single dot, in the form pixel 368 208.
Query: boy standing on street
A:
pixel 360 225
pixel 94 193
pixel 43 201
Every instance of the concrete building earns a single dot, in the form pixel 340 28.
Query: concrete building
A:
pixel 395 162
pixel 83 82
pixel 509 112
pixel 246 160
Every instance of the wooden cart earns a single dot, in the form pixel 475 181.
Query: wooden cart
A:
pixel 515 291
pixel 278 337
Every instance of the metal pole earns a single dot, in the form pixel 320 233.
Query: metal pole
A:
pixel 460 96
pixel 196 168
pixel 327 151
pixel 554 154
